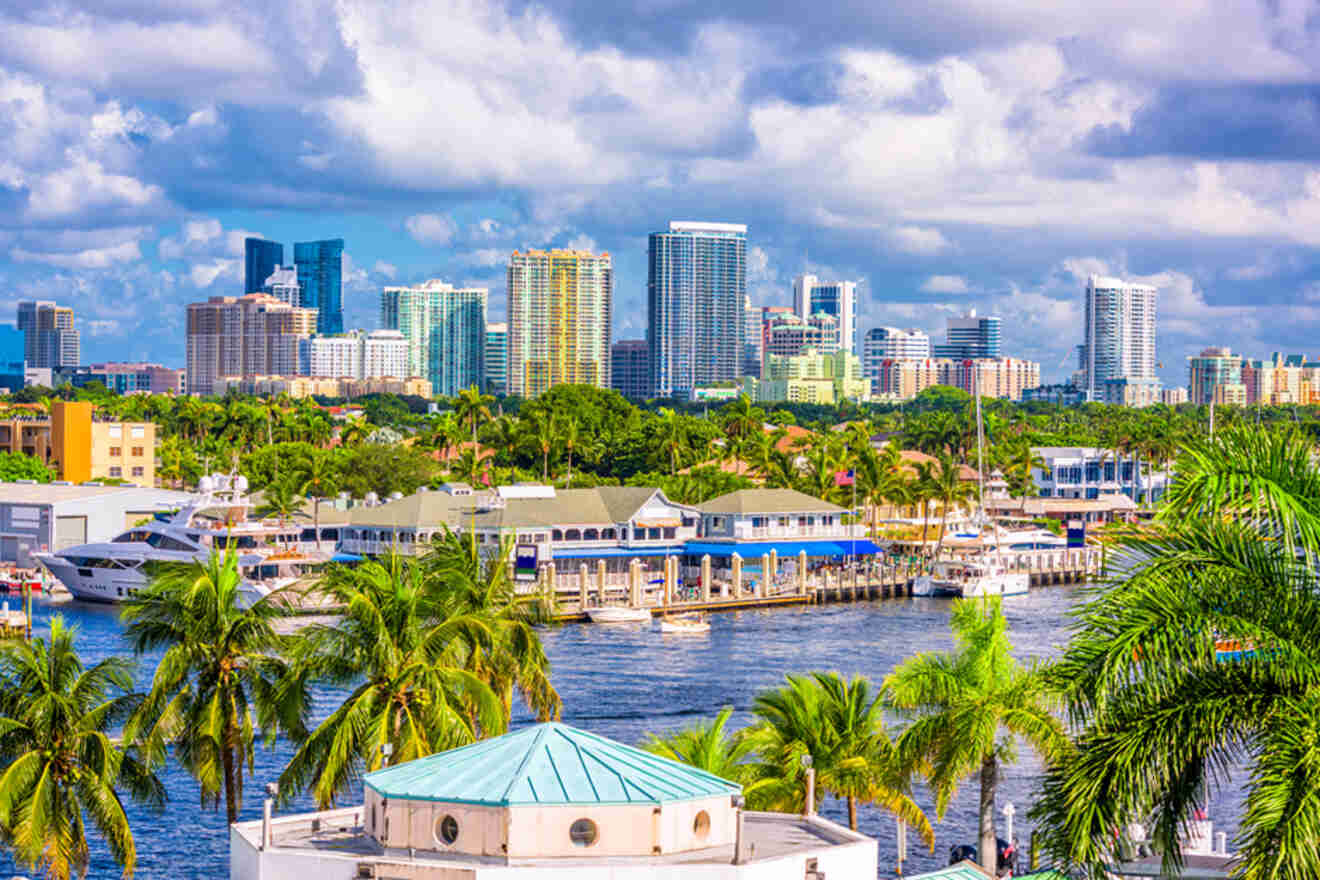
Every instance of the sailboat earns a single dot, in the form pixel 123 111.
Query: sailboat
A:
pixel 977 576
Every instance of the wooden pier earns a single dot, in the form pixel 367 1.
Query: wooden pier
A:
pixel 575 592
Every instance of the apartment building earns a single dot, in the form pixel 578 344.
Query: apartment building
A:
pixel 250 335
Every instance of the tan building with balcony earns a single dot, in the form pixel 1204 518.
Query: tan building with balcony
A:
pixel 79 447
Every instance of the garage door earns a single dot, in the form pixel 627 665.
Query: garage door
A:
pixel 70 531
pixel 8 549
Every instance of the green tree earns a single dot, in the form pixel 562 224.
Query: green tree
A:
pixel 403 658
pixel 840 725
pixel 708 746
pixel 316 476
pixel 63 764
pixel 1160 716
pixel 951 491
pixel 18 466
pixel 219 682
pixel 673 437
pixel 473 410
pixel 280 500
pixel 969 707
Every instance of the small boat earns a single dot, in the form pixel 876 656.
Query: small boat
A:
pixel 684 624
pixel 619 615
pixel 970 579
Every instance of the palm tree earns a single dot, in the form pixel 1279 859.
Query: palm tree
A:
pixel 513 658
pixel 218 683
pixel 840 725
pixel 473 408
pixel 570 433
pixel 63 764
pixel 540 431
pixel 1159 715
pixel 950 490
pixel 673 436
pixel 280 500
pixel 741 420
pixel 403 657
pixel 969 707
pixel 316 476
pixel 707 746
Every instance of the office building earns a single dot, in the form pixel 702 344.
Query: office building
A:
pixel 898 379
pixel 696 293
pixel 788 335
pixel 810 377
pixel 630 368
pixel 250 335
pixel 1280 381
pixel 1209 371
pixel 126 378
pixel 1136 393
pixel 11 358
pixel 79 448
pixel 283 285
pixel 890 343
pixel 320 269
pixel 752 349
pixel 560 313
pixel 836 298
pixel 49 338
pixel 1061 395
pixel 445 327
pixel 1119 340
pixel 321 386
pixel 356 354
pixel 497 359
pixel 1173 396
pixel 970 336
pixel 260 260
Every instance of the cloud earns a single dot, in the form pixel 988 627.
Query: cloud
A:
pixel 94 258
pixel 431 228
pixel 582 242
pixel 945 284
pixel 918 240
pixel 389 270
pixel 85 185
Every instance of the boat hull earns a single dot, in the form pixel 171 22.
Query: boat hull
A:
pixel 619 615
pixel 1013 583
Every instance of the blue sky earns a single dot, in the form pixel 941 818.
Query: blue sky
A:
pixel 945 154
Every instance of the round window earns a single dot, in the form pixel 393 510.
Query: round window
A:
pixel 701 825
pixel 583 832
pixel 446 830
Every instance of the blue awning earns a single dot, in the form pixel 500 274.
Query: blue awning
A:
pixel 754 549
pixel 345 557
pixel 617 552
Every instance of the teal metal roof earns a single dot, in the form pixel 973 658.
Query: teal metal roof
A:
pixel 549 764
pixel 962 871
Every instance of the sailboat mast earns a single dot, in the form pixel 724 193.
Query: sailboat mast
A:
pixel 980 440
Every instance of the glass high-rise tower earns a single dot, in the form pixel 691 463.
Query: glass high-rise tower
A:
pixel 320 266
pixel 446 331
pixel 696 291
pixel 260 259
pixel 1120 333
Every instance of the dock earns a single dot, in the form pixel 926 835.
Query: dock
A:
pixel 684 592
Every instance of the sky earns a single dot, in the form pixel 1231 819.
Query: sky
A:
pixel 944 154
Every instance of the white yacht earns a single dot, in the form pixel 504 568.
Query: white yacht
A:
pixel 971 578
pixel 270 554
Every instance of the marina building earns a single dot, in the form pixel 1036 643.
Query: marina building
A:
pixel 1089 472
pixel 696 300
pixel 50 340
pixel 837 299
pixel 969 336
pixel 496 362
pixel 445 328
pixel 356 354
pixel 260 260
pixel 250 335
pixel 560 314
pixel 1119 340
pixel 542 803
pixel 79 447
pixel 320 269
pixel 630 368
pixel 46 517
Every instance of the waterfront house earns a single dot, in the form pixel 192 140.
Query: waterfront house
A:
pixel 1090 472
pixel 545 802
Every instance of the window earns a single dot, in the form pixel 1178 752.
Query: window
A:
pixel 701 825
pixel 116 432
pixel 136 451
pixel 137 432
pixel 116 451
pixel 591 535
pixel 446 830
pixel 653 534
pixel 116 472
pixel 573 535
pixel 557 535
pixel 670 531
pixel 608 535
pixel 583 832
pixel 138 471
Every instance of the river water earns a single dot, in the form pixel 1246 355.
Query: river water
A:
pixel 622 682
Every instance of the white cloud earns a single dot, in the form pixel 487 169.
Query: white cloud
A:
pixel 389 270
pixel 205 274
pixel 582 242
pixel 352 274
pixel 921 241
pixel 431 228
pixel 95 258
pixel 945 284
pixel 85 185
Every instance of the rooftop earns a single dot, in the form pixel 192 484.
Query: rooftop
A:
pixel 56 493
pixel 547 764
pixel 768 501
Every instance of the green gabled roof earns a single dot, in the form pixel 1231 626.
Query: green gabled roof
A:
pixel 550 764
pixel 768 501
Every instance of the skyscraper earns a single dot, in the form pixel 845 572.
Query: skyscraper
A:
pixel 891 343
pixel 497 358
pixel 49 338
pixel 696 291
pixel 260 259
pixel 446 331
pixel 320 266
pixel 1215 376
pixel 837 298
pixel 630 368
pixel 751 339
pixel 969 336
pixel 283 285
pixel 560 310
pixel 250 335
pixel 1120 333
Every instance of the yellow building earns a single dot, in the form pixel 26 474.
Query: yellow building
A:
pixel 559 320
pixel 79 447
pixel 811 377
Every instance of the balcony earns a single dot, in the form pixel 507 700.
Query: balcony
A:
pixel 794 531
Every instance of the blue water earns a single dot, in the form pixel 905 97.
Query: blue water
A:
pixel 625 681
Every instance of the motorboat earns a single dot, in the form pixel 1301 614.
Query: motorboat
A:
pixel 684 624
pixel 619 614
pixel 217 518
pixel 971 579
